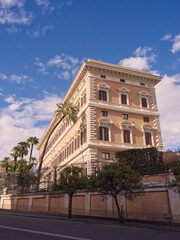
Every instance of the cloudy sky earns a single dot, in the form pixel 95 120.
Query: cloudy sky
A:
pixel 43 43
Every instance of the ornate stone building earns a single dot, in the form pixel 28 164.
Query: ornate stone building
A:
pixel 117 111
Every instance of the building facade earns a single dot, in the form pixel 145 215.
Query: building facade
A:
pixel 117 111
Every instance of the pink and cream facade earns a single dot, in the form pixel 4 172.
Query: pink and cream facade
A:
pixel 117 111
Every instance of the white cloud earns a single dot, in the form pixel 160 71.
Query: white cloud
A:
pixel 13 12
pixel 142 59
pixel 45 5
pixel 176 44
pixel 66 65
pixel 168 101
pixel 40 31
pixel 14 78
pixel 23 118
pixel 167 37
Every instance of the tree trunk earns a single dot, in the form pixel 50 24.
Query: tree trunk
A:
pixel 121 215
pixel 15 162
pixel 117 204
pixel 44 151
pixel 70 206
pixel 31 152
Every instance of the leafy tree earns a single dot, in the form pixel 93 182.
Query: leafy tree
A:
pixel 7 164
pixel 25 174
pixel 71 180
pixel 33 141
pixel 23 148
pixel 65 110
pixel 146 161
pixel 175 184
pixel 117 178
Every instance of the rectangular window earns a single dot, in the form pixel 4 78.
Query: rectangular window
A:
pixel 105 156
pixel 104 134
pixel 122 80
pixel 104 113
pixel 148 138
pixel 82 101
pixel 125 116
pixel 84 98
pixel 126 134
pixel 103 76
pixel 82 137
pixel 144 102
pixel 142 84
pixel 146 119
pixel 102 95
pixel 123 99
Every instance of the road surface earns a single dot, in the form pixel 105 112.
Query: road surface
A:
pixel 30 228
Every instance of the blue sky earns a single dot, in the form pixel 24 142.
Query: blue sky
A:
pixel 43 43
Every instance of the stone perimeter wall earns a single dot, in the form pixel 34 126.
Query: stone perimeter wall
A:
pixel 157 202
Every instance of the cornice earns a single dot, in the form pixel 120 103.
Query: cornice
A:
pixel 105 145
pixel 123 108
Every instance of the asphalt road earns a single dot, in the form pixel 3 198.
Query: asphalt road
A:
pixel 29 228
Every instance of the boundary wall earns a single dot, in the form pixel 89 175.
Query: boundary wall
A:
pixel 158 202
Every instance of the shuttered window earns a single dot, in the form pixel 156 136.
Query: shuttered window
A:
pixel 104 134
pixel 144 102
pixel 102 95
pixel 123 99
pixel 126 134
pixel 148 138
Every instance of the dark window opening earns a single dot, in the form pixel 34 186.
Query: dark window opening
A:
pixel 126 134
pixel 142 84
pixel 144 102
pixel 146 119
pixel 123 99
pixel 122 80
pixel 103 76
pixel 148 138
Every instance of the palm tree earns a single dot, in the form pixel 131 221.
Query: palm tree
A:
pixel 66 109
pixel 16 152
pixel 5 163
pixel 33 141
pixel 23 148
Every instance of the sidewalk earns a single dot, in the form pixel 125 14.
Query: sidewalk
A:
pixel 159 226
